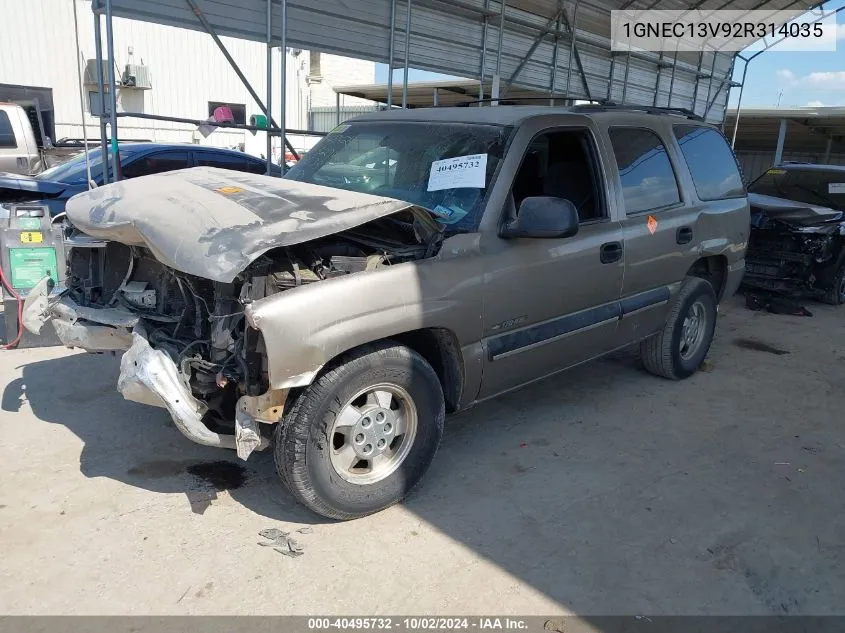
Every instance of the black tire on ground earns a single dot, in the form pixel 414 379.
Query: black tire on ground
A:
pixel 835 296
pixel 661 353
pixel 302 442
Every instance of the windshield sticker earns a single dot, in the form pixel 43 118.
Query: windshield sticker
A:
pixel 459 172
pixel 776 171
pixel 836 187
pixel 340 129
pixel 449 215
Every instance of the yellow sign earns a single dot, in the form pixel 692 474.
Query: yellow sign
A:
pixel 32 237
pixel 229 190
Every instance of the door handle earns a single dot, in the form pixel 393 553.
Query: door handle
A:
pixel 610 252
pixel 683 235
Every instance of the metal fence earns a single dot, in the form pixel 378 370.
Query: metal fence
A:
pixel 325 118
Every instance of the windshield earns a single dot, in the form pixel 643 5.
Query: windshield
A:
pixel 445 167
pixel 810 186
pixel 74 170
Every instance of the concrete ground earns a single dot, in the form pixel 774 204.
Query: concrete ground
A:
pixel 601 491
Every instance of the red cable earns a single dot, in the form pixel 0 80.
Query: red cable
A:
pixel 20 312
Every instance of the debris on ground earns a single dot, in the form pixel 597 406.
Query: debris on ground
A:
pixel 281 542
pixel 305 530
pixel 775 304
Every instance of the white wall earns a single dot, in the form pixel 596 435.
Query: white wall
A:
pixel 37 48
pixel 339 71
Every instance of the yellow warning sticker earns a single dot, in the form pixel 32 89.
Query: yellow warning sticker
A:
pixel 776 171
pixel 32 237
pixel 228 190
pixel 651 224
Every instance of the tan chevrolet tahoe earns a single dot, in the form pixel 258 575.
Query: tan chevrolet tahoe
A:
pixel 413 264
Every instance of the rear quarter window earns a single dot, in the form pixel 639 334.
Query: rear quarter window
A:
pixel 648 179
pixel 7 135
pixel 711 162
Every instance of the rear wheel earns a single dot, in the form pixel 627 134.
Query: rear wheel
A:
pixel 363 434
pixel 679 349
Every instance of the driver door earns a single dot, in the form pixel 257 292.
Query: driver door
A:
pixel 550 303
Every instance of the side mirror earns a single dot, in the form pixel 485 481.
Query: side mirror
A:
pixel 543 217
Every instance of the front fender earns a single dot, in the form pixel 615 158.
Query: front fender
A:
pixel 306 327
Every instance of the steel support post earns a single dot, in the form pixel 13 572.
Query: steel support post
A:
pixel 390 53
pixel 625 79
pixel 497 78
pixel 283 79
pixel 697 78
pixel 269 63
pixel 407 55
pixel 483 51
pixel 781 142
pixel 555 54
pixel 827 149
pixel 572 27
pixel 739 103
pixel 98 53
pixel 112 92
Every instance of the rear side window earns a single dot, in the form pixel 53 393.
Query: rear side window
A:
pixel 711 162
pixel 648 180
pixel 224 161
pixel 156 163
pixel 7 136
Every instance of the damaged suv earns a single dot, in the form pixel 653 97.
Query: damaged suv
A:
pixel 797 243
pixel 339 313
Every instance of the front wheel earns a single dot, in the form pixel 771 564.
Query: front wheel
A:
pixel 678 350
pixel 363 434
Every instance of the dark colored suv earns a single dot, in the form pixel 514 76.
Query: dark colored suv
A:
pixel 797 243
pixel 55 186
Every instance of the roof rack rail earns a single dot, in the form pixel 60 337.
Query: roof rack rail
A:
pixel 596 106
pixel 513 101
pixel 609 106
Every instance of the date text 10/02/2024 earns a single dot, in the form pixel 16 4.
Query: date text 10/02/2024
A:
pixel 417 623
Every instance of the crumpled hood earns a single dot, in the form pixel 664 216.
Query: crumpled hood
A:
pixel 213 223
pixel 789 211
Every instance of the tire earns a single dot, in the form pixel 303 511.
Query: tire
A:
pixel 310 445
pixel 835 296
pixel 662 354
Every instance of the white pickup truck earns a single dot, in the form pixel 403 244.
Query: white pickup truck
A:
pixel 25 149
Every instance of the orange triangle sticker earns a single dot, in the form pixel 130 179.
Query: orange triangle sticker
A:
pixel 651 224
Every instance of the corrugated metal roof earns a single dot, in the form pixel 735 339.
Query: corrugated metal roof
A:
pixel 447 36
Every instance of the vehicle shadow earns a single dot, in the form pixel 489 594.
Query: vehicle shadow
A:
pixel 603 488
pixel 139 445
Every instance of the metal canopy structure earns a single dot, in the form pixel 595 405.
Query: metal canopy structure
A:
pixel 425 94
pixel 819 131
pixel 554 47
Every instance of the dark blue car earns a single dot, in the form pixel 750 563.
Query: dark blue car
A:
pixel 55 186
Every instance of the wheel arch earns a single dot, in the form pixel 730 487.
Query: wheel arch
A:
pixel 713 269
pixel 438 346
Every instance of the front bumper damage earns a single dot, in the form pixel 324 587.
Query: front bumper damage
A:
pixel 147 376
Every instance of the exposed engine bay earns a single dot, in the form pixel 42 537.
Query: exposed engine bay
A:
pixel 200 324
